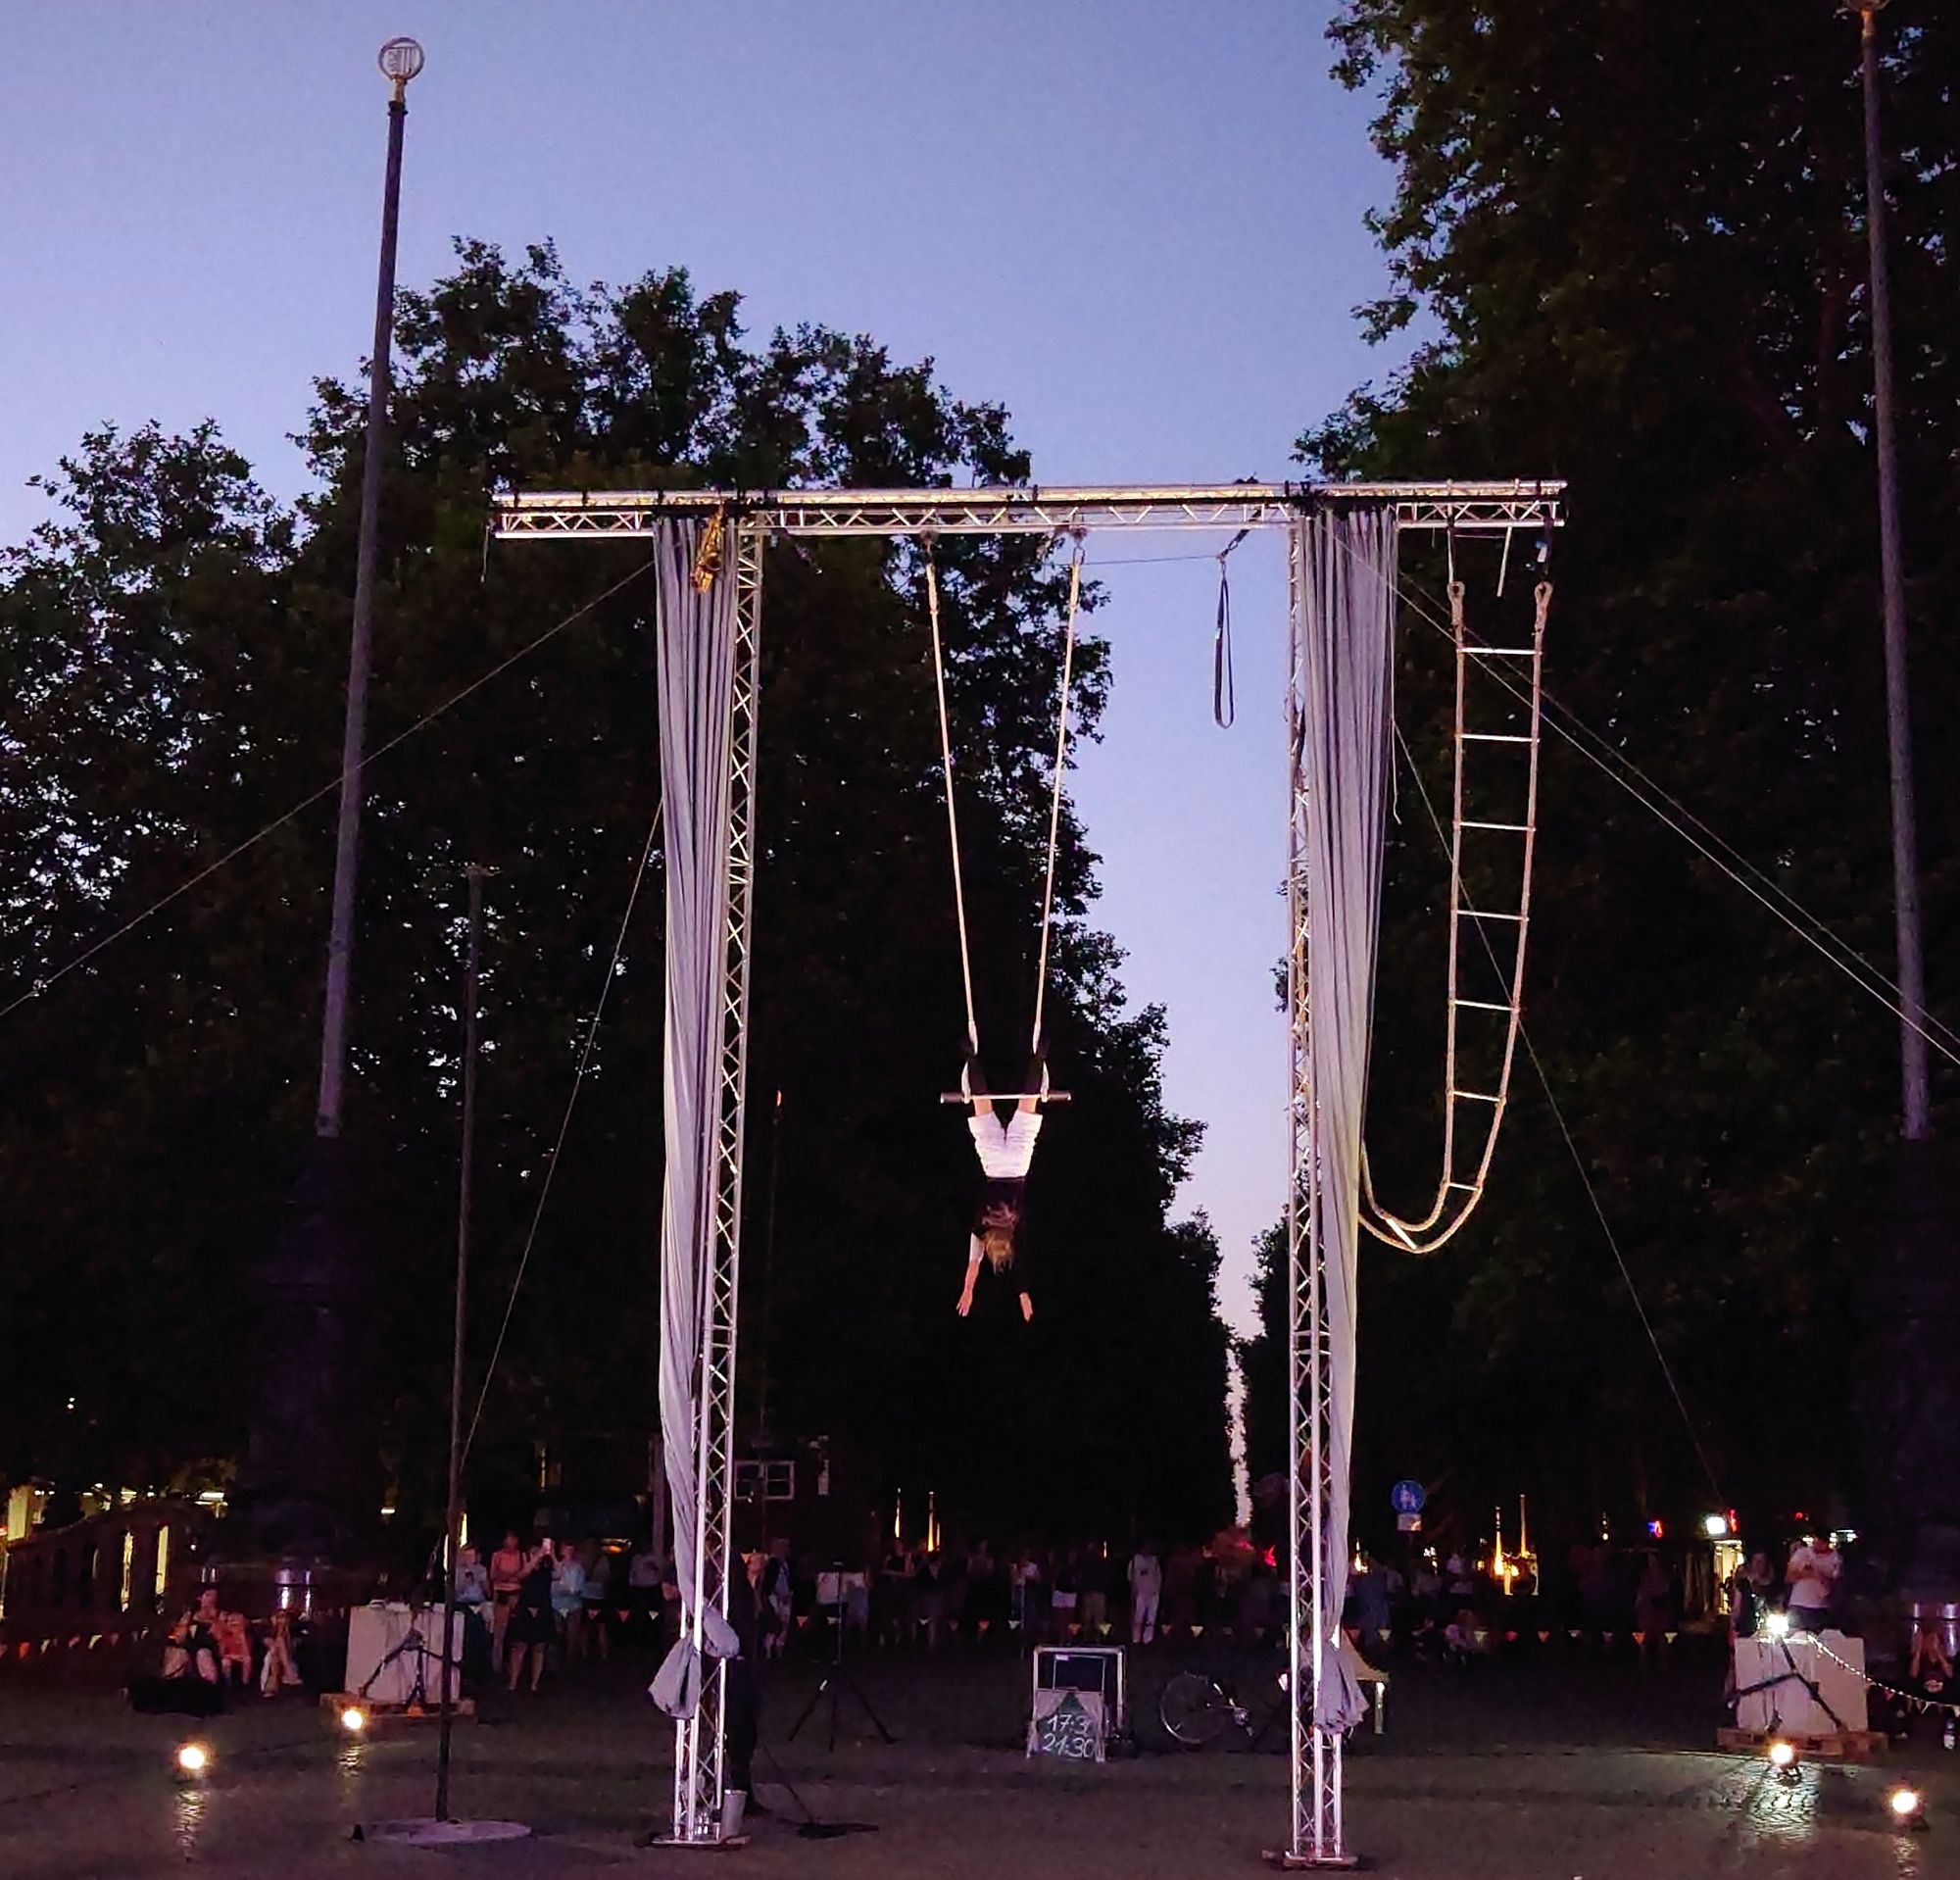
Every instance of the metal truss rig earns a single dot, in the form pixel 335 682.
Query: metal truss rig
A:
pixel 1463 508
pixel 1478 508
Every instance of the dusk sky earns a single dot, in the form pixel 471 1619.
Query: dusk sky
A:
pixel 1137 225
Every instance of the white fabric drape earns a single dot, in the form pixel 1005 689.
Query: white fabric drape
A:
pixel 694 642
pixel 1345 680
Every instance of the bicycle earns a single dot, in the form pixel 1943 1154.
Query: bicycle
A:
pixel 1196 1706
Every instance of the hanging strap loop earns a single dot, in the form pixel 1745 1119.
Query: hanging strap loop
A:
pixel 1224 694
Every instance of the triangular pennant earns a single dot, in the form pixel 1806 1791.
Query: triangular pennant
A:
pixel 1574 1633
pixel 1672 1636
pixel 1640 1639
pixel 1510 1638
pixel 1606 1638
pixel 1545 1638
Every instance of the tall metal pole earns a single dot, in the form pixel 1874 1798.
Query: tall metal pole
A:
pixel 452 1525
pixel 1898 716
pixel 400 61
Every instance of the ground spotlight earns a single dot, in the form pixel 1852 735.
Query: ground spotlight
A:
pixel 1907 1806
pixel 1776 1625
pixel 1782 1755
pixel 193 1759
pixel 354 1719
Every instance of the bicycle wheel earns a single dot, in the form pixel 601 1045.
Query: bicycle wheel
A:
pixel 1194 1710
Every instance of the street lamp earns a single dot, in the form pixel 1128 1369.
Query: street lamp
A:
pixel 400 60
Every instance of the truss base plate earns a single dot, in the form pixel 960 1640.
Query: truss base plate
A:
pixel 1315 1862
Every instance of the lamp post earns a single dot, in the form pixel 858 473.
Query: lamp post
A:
pixel 400 60
pixel 1898 721
pixel 307 1486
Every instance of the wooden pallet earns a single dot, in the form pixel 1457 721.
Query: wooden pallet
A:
pixel 1838 1746
pixel 429 1712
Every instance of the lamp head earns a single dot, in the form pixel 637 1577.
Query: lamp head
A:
pixel 400 60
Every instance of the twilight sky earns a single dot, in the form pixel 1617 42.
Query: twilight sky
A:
pixel 1135 223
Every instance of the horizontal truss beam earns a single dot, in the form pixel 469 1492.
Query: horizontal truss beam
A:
pixel 1476 507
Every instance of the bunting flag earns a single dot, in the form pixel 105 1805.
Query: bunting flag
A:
pixel 1544 1637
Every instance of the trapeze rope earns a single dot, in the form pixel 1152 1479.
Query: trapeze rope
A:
pixel 952 813
pixel 1054 793
pixel 564 1125
pixel 82 959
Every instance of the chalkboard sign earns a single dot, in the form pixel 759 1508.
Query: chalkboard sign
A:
pixel 1068 1724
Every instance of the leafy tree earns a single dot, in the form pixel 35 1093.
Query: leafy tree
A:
pixel 182 643
pixel 1635 248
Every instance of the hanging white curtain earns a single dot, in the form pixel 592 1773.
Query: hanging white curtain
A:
pixel 1343 675
pixel 695 639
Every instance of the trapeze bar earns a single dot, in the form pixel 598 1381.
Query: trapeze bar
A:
pixel 1481 1005
pixel 1466 508
pixel 1005 1096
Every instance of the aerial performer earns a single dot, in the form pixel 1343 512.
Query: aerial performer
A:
pixel 1006 1151
pixel 1007 1148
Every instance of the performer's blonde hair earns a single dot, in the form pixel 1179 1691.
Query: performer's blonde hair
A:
pixel 996 1237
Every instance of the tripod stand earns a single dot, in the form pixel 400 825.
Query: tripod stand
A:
pixel 837 1676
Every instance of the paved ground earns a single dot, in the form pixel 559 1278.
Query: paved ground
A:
pixel 1559 1769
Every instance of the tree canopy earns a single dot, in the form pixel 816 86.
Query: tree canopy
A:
pixel 1630 245
pixel 172 645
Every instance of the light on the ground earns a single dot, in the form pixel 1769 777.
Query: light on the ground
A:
pixel 1905 1804
pixel 193 1759
pixel 1777 1624
pixel 1715 1527
pixel 1782 1755
pixel 354 1719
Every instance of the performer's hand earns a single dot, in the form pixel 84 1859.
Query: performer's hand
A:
pixel 1027 1309
pixel 966 1302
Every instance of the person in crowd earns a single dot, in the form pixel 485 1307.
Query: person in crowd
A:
pixel 569 1600
pixel 925 1597
pixel 280 1668
pixel 1369 1592
pixel 507 1568
pixel 892 1606
pixel 1095 1580
pixel 472 1580
pixel 234 1649
pixel 596 1595
pixel 472 1601
pixel 1812 1575
pixel 858 1605
pixel 643 1595
pixel 1146 1592
pixel 1006 1152
pixel 530 1628
pixel 1062 1601
pixel 192 1648
pixel 776 1599
pixel 1654 1604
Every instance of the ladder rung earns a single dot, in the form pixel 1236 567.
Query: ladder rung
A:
pixel 1476 1096
pixel 1496 737
pixel 1481 1005
pixel 1506 652
pixel 1508 828
pixel 1480 913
